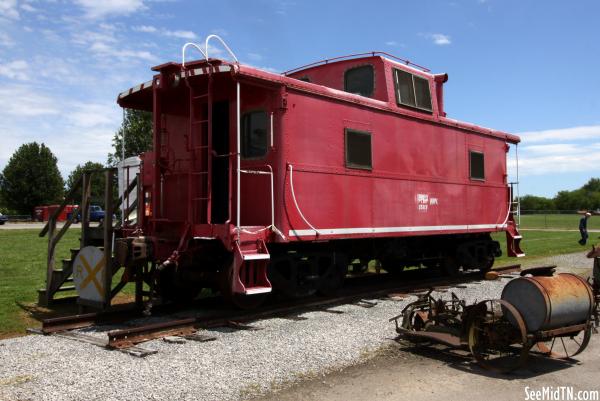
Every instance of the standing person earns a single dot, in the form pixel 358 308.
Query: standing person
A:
pixel 583 228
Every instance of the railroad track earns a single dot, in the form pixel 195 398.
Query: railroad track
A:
pixel 190 328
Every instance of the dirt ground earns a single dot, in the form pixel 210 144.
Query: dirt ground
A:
pixel 408 372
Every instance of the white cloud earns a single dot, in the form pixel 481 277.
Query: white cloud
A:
pixel 105 50
pixel 145 28
pixel 165 32
pixel 15 70
pixel 552 149
pixel 103 8
pixel 562 134
pixel 8 9
pixel 28 8
pixel 23 101
pixel 92 115
pixel 439 39
pixel 255 56
pixel 181 34
pixel 391 43
pixel 5 40
pixel 558 163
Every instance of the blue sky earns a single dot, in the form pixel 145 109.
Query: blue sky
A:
pixel 526 67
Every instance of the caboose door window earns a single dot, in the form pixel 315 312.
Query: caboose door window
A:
pixel 476 165
pixel 254 134
pixel 358 149
pixel 412 91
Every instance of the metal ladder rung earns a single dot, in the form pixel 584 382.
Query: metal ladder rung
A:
pixel 199 121
pixel 200 147
pixel 200 96
pixel 200 199
pixel 199 172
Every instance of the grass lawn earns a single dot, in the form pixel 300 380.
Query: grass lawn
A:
pixel 538 244
pixel 23 272
pixel 557 221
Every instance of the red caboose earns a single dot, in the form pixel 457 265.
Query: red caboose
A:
pixel 259 181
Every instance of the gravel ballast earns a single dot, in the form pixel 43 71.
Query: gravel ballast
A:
pixel 237 364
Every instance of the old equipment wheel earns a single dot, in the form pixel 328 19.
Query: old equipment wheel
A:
pixel 565 347
pixel 497 336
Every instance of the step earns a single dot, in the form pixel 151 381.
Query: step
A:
pixel 66 288
pixel 257 290
pixel 255 256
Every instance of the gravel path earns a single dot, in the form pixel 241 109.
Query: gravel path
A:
pixel 238 364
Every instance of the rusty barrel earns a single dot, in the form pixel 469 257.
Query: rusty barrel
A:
pixel 547 303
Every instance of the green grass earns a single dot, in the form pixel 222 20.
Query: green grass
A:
pixel 23 271
pixel 557 221
pixel 538 244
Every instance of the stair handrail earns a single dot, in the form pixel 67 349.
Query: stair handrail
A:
pixel 205 54
pixel 209 37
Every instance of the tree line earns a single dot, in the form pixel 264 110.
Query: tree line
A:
pixel 31 177
pixel 585 198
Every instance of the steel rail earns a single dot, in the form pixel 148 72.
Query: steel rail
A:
pixel 124 338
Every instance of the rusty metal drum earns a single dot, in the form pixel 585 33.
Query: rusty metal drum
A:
pixel 550 302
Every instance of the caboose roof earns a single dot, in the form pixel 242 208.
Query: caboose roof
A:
pixel 140 96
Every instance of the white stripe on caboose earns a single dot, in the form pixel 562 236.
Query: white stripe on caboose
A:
pixel 379 230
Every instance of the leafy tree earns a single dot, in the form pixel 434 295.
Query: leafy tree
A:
pixel 137 127
pixel 97 186
pixel 530 202
pixel 593 185
pixel 31 178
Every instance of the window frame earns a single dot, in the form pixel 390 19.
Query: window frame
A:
pixel 355 166
pixel 479 152
pixel 397 90
pixel 356 67
pixel 267 147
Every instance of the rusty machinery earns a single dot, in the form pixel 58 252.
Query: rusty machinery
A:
pixel 541 312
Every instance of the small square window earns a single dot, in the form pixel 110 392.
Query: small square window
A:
pixel 358 150
pixel 477 165
pixel 360 80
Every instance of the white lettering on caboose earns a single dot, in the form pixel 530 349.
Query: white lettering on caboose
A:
pixel 424 201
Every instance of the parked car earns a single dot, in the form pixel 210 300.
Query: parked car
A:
pixel 3 219
pixel 96 214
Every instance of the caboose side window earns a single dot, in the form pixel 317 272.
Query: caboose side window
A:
pixel 254 134
pixel 359 80
pixel 476 164
pixel 358 149
pixel 412 91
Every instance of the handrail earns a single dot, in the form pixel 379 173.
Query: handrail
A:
pixel 270 174
pixel 127 191
pixel 290 168
pixel 357 55
pixel 224 45
pixel 194 45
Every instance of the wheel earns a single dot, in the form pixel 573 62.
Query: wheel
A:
pixel 564 347
pixel 497 336
pixel 450 266
pixel 172 288
pixel 332 272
